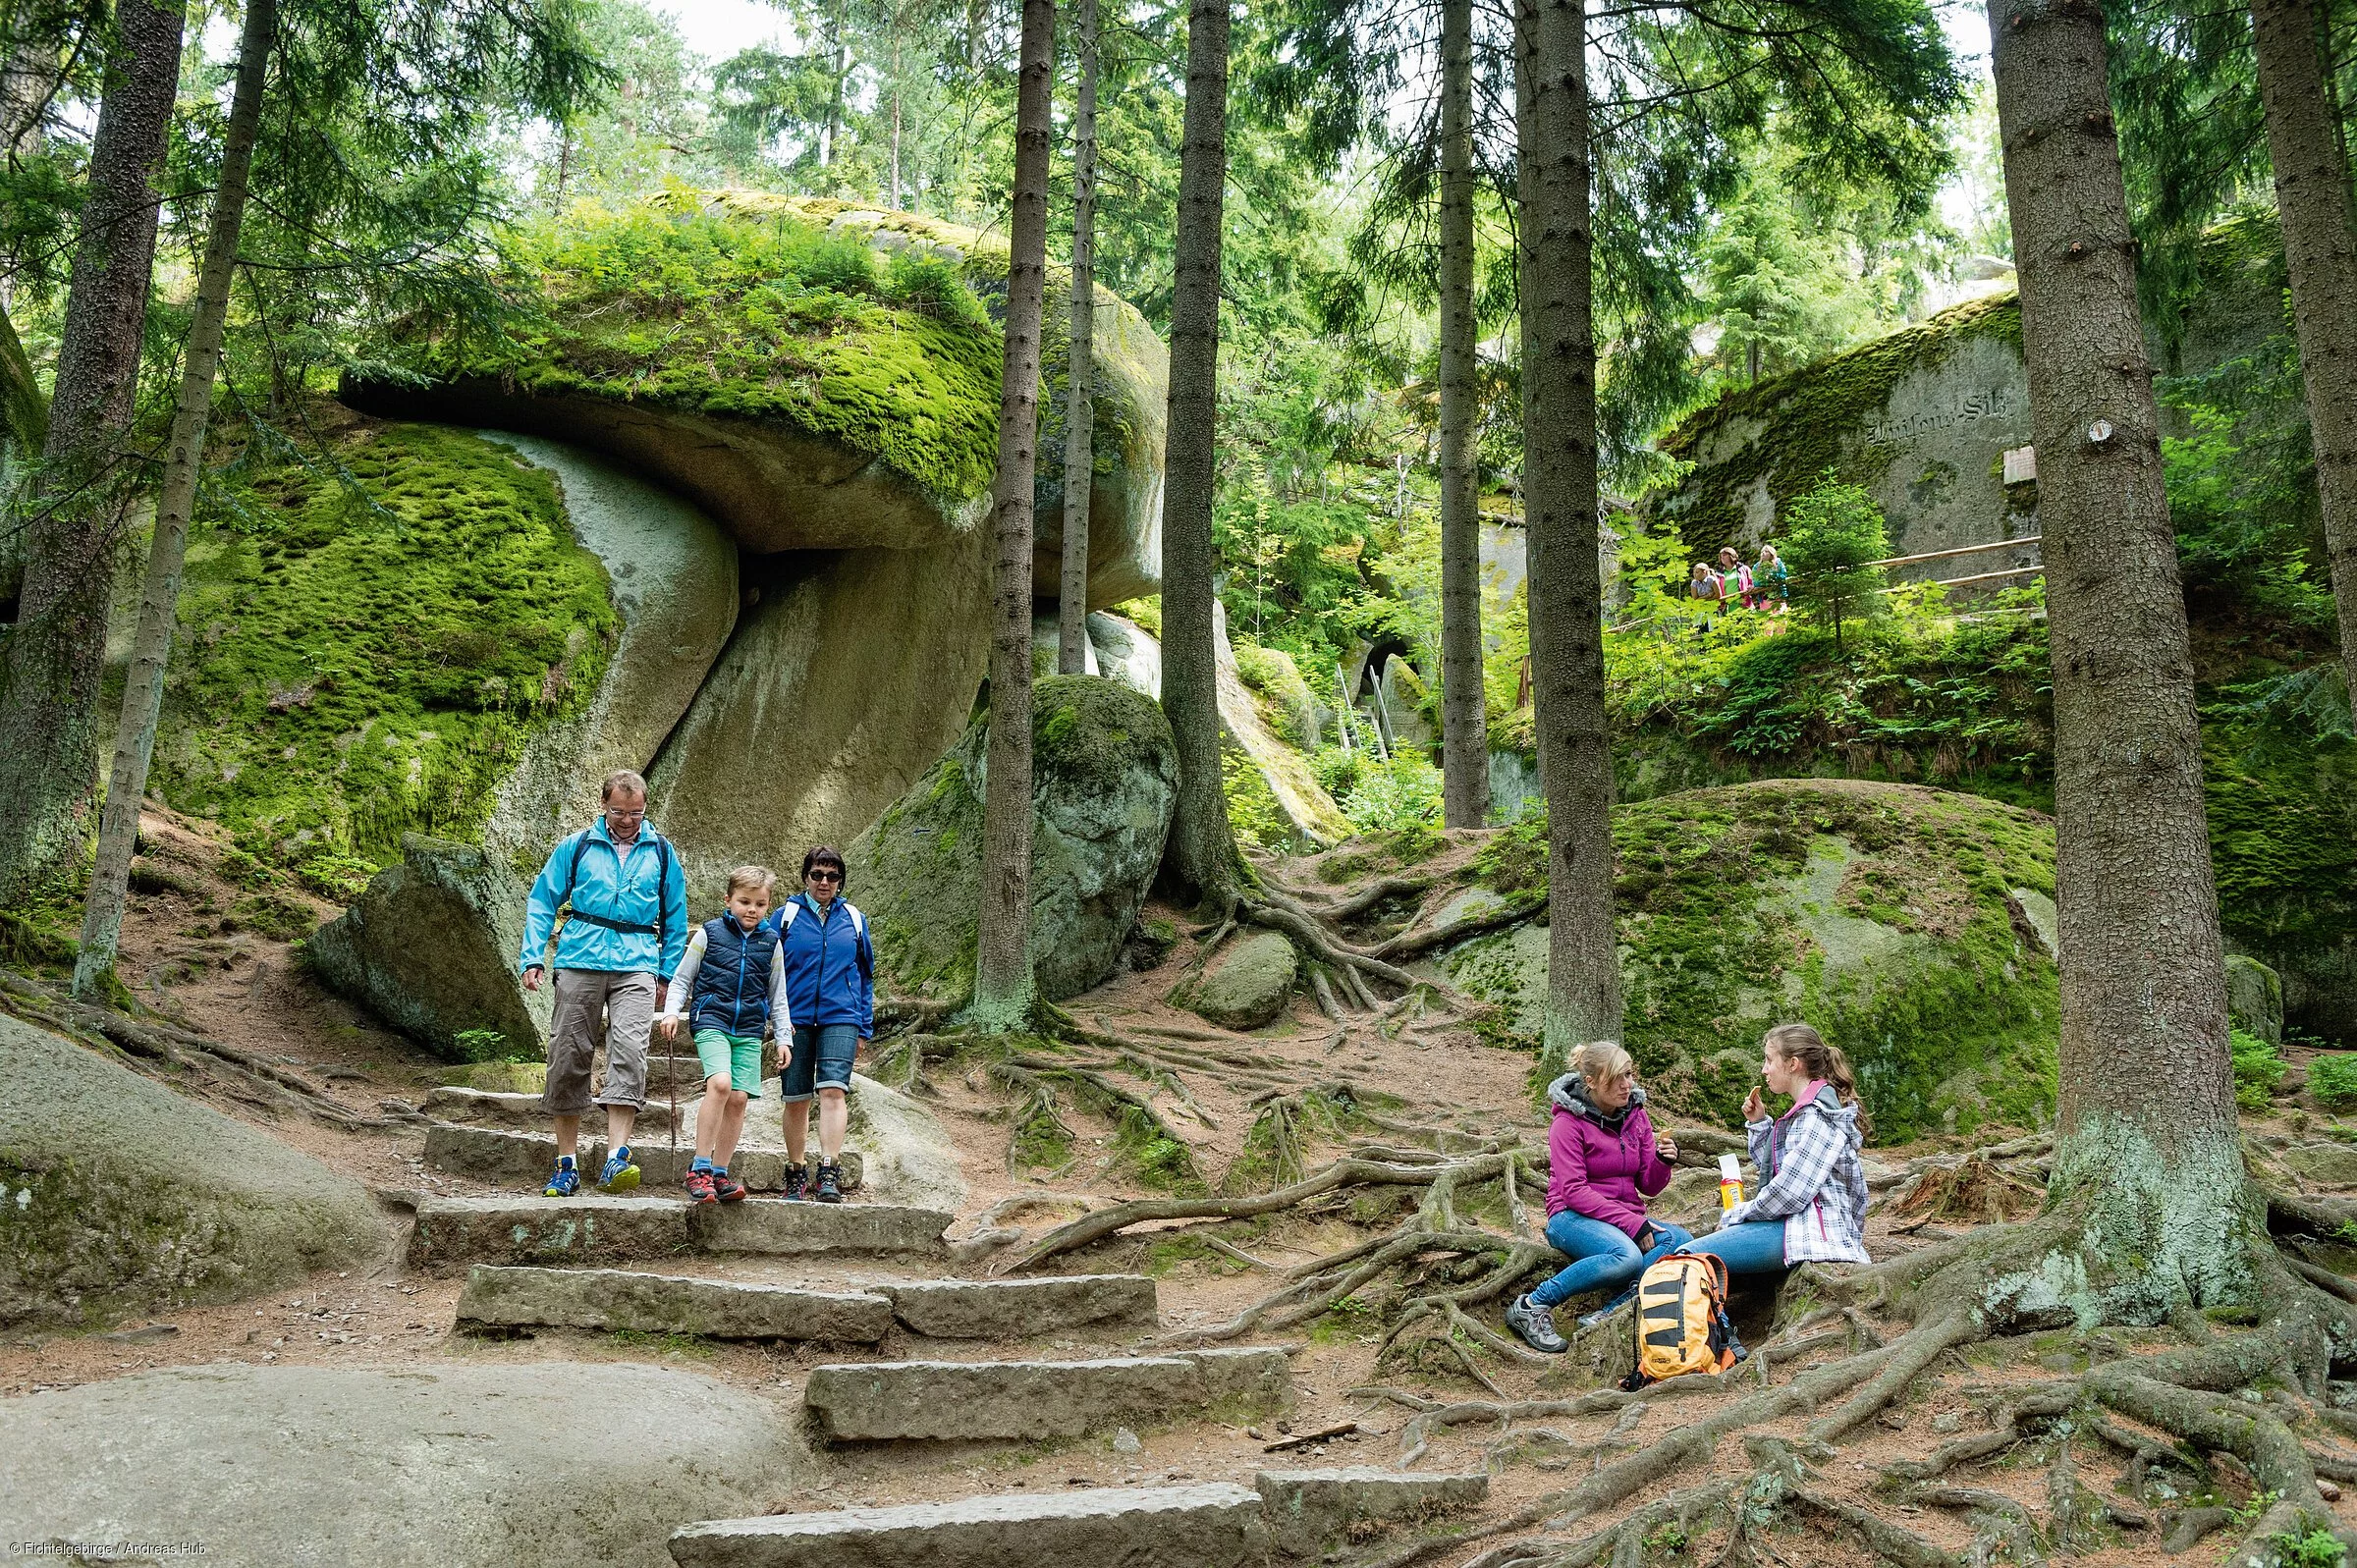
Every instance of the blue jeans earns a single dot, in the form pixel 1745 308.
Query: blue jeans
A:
pixel 821 1060
pixel 1755 1247
pixel 1603 1257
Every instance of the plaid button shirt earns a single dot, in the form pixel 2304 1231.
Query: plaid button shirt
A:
pixel 1815 1182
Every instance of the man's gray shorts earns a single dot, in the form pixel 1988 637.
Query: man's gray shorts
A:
pixel 614 1009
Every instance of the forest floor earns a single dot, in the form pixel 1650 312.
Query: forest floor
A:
pixel 1429 1090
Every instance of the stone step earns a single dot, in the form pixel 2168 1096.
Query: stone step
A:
pixel 777 1229
pixel 942 1400
pixel 667 1304
pixel 510 1158
pixel 1015 1309
pixel 1305 1510
pixel 597 1229
pixel 522 1112
pixel 1211 1526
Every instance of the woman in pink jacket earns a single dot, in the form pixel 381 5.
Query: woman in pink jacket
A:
pixel 1604 1162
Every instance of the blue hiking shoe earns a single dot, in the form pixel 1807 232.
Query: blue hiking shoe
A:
pixel 620 1175
pixel 566 1183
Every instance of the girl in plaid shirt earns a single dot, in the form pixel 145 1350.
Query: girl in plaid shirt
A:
pixel 1811 1205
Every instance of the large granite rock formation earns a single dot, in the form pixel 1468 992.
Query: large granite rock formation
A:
pixel 119 1195
pixel 1925 417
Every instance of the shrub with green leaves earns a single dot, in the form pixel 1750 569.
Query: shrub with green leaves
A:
pixel 2332 1079
pixel 2258 1068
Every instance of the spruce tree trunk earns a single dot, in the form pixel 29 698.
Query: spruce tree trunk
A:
pixel 1566 585
pixel 1003 949
pixel 1079 405
pixel 2312 199
pixel 2149 1146
pixel 57 652
pixel 1200 858
pixel 184 456
pixel 1464 720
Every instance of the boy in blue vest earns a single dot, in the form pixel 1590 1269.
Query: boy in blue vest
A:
pixel 731 981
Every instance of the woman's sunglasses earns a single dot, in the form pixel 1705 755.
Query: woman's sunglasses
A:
pixel 826 876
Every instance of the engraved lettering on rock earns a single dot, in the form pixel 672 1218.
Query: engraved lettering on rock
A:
pixel 1984 403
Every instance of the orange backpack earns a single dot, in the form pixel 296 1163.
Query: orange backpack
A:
pixel 1682 1325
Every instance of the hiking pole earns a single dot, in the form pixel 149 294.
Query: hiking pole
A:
pixel 670 1081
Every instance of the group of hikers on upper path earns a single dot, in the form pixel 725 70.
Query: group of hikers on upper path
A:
pixel 1731 584
pixel 801 972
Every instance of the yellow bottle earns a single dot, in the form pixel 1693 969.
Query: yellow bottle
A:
pixel 1731 1182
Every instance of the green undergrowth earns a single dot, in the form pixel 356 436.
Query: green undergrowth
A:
pixel 1805 416
pixel 1916 696
pixel 2258 1068
pixel 2332 1079
pixel 1884 915
pixel 364 648
pixel 767 317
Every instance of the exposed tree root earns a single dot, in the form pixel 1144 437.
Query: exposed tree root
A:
pixel 1412 944
pixel 1326 946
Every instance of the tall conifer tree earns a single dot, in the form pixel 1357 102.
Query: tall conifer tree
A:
pixel 2149 1151
pixel 1003 984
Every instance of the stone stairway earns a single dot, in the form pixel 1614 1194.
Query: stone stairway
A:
pixel 596 1264
pixel 1295 1514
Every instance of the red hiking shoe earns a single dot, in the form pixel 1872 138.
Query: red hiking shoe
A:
pixel 726 1188
pixel 699 1187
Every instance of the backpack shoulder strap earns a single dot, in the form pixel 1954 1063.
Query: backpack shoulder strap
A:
pixel 572 871
pixel 785 914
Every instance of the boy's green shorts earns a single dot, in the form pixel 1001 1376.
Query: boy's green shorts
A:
pixel 737 1055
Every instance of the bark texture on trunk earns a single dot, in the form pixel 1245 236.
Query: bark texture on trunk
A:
pixel 1464 720
pixel 184 457
pixel 1003 984
pixel 1080 406
pixel 57 653
pixel 1566 586
pixel 2319 248
pixel 1201 858
pixel 2149 1146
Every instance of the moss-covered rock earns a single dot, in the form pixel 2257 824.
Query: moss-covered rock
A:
pixel 1902 921
pixel 2282 810
pixel 119 1195
pixel 1272 791
pixel 430 947
pixel 1245 987
pixel 1105 776
pixel 1286 705
pixel 2255 997
pixel 364 653
pixel 813 376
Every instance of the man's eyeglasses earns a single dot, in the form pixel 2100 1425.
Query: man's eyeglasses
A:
pixel 826 876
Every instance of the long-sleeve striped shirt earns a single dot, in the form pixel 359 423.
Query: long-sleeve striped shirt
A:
pixel 1814 1180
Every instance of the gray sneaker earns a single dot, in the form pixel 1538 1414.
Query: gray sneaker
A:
pixel 1536 1325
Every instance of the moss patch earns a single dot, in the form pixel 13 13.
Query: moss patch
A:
pixel 758 316
pixel 363 654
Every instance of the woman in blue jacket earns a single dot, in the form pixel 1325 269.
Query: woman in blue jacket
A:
pixel 831 995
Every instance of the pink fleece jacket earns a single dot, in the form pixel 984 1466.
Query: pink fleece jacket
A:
pixel 1605 1173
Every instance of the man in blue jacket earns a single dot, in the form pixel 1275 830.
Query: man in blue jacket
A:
pixel 625 903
